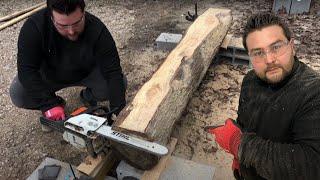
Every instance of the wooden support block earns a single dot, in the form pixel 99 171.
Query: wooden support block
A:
pixel 160 101
pixel 156 171
pixel 99 167
pixel 236 42
pixel 226 41
pixel 231 41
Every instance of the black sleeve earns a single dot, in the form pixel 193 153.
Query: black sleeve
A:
pixel 242 97
pixel 296 160
pixel 109 61
pixel 29 60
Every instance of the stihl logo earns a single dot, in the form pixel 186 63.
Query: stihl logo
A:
pixel 92 118
pixel 120 135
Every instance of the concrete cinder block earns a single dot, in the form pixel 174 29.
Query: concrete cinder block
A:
pixel 183 169
pixel 125 171
pixel 291 6
pixel 65 171
pixel 168 41
pixel 300 6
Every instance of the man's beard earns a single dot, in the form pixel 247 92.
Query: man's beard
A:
pixel 274 78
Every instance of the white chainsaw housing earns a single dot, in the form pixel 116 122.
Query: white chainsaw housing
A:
pixel 84 123
pixel 88 125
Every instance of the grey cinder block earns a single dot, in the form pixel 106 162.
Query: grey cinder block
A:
pixel 168 41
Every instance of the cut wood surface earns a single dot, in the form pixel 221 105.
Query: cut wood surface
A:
pixel 21 17
pixel 15 14
pixel 156 171
pixel 236 42
pixel 231 41
pixel 160 102
pixel 226 41
pixel 97 168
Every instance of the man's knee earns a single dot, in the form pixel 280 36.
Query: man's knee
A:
pixel 19 97
pixel 16 91
pixel 102 93
pixel 125 82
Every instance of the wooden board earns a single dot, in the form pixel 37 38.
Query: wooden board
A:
pixel 226 41
pixel 160 101
pixel 97 168
pixel 231 41
pixel 21 17
pixel 156 171
pixel 18 13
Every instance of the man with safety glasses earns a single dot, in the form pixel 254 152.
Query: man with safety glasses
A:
pixel 63 46
pixel 277 132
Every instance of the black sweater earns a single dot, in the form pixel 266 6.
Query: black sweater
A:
pixel 44 54
pixel 281 126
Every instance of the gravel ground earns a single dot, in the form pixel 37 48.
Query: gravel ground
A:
pixel 135 26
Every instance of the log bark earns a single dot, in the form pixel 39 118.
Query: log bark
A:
pixel 161 101
pixel 15 14
pixel 21 17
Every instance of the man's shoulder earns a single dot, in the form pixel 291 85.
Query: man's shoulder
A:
pixel 308 75
pixel 94 21
pixel 95 27
pixel 39 19
pixel 250 76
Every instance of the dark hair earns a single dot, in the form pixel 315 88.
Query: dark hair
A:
pixel 262 20
pixel 65 6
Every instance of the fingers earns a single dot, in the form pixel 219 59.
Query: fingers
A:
pixel 231 122
pixel 210 129
pixel 63 117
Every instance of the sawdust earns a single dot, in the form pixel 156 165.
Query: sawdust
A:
pixel 135 25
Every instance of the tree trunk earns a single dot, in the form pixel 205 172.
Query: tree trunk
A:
pixel 160 102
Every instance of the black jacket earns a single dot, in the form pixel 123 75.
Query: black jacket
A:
pixel 281 126
pixel 44 54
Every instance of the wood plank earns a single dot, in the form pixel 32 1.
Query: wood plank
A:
pixel 226 41
pixel 156 171
pixel 21 17
pixel 160 101
pixel 15 14
pixel 236 42
pixel 99 167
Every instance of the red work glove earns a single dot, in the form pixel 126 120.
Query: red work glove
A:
pixel 55 113
pixel 235 164
pixel 228 136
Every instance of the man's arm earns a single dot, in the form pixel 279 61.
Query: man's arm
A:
pixel 110 66
pixel 297 160
pixel 29 60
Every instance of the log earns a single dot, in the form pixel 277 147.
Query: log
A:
pixel 18 13
pixel 161 101
pixel 21 17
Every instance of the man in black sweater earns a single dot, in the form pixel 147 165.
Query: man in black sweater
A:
pixel 277 132
pixel 63 46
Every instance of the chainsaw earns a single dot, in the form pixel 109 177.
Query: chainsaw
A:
pixel 90 129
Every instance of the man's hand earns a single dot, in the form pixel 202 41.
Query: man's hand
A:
pixel 228 136
pixel 55 114
pixel 235 164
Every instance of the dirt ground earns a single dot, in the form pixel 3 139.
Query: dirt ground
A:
pixel 135 24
